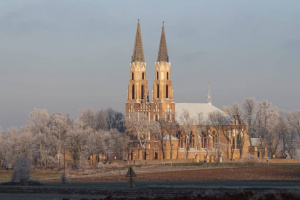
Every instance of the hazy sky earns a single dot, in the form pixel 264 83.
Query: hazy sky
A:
pixel 65 56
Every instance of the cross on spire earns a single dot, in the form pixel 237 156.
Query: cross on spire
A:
pixel 208 95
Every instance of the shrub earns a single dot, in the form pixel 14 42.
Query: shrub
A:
pixel 250 159
pixel 64 177
pixel 22 170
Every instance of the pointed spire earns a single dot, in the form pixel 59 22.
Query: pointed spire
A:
pixel 163 51
pixel 208 95
pixel 138 52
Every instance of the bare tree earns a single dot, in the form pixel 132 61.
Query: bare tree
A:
pixel 168 130
pixel 186 124
pixel 235 114
pixel 201 128
pixel 217 119
pixel 249 106
pixel 115 120
pixel 158 133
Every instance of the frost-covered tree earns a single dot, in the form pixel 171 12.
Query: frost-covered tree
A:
pixel 100 120
pixel 249 108
pixel 288 134
pixel 117 146
pixel 294 119
pixel 58 128
pixel 77 143
pixel 25 140
pixel 138 126
pixel 40 130
pixel 9 147
pixel 265 125
pixel 87 117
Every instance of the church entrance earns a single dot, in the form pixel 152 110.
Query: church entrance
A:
pixel 131 156
pixel 156 155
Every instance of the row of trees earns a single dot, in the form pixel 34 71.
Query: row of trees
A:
pixel 45 138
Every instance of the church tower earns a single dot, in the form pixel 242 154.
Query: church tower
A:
pixel 138 95
pixel 162 95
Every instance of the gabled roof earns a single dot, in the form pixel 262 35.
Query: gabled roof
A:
pixel 138 52
pixel 256 141
pixel 167 137
pixel 194 109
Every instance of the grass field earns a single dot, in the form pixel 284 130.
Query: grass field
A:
pixel 40 175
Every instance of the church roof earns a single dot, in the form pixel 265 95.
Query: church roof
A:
pixel 138 52
pixel 255 141
pixel 167 137
pixel 163 51
pixel 194 109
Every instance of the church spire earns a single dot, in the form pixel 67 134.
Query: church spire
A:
pixel 138 52
pixel 163 51
pixel 208 95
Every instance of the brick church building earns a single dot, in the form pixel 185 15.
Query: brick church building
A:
pixel 193 140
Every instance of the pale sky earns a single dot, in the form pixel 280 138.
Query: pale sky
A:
pixel 64 56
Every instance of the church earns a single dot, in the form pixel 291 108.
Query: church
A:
pixel 192 138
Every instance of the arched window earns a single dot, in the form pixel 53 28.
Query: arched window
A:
pixel 132 92
pixel 167 91
pixel 167 75
pixel 157 91
pixel 143 75
pixel 238 142
pixel 181 139
pixel 192 141
pixel 142 92
pixel 202 139
pixel 132 76
pixel 214 139
pixel 156 75
pixel 233 143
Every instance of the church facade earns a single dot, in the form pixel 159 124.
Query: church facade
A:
pixel 193 137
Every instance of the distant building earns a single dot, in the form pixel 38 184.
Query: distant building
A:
pixel 203 142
